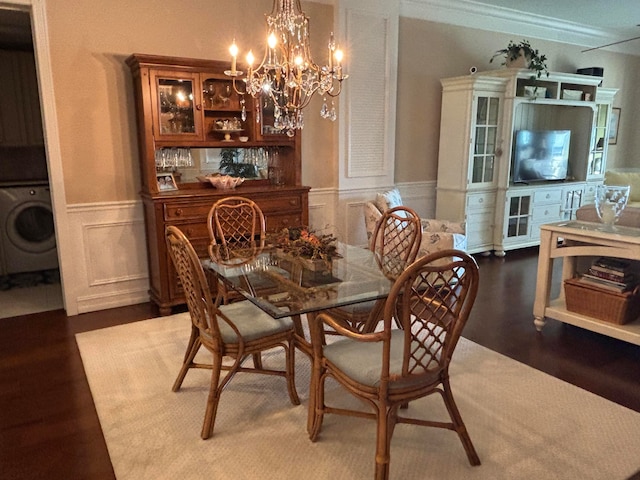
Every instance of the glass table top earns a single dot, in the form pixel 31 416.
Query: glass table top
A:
pixel 283 285
pixel 591 228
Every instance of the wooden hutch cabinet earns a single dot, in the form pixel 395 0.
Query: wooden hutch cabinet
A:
pixel 188 105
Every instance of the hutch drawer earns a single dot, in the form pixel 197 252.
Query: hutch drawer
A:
pixel 187 211
pixel 279 204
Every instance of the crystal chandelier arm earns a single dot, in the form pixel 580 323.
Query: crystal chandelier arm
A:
pixel 287 73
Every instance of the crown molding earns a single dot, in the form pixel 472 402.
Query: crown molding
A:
pixel 471 14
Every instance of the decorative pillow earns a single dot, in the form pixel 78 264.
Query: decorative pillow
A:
pixel 371 217
pixel 388 199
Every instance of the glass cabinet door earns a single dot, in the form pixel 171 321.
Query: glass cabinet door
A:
pixel 517 224
pixel 484 140
pixel 599 141
pixel 176 107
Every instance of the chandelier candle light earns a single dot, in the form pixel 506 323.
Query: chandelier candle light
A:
pixel 287 77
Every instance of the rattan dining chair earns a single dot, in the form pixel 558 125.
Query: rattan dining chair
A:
pixel 236 230
pixel 395 243
pixel 238 330
pixel 388 369
pixel 236 235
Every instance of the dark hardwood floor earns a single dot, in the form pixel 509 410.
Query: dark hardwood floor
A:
pixel 49 427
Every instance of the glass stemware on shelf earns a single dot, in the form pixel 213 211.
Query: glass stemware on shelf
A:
pixel 173 157
pixel 610 202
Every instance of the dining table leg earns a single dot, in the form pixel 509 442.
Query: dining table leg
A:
pixel 315 334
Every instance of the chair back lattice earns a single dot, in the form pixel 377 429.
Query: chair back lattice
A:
pixel 431 301
pixel 236 230
pixel 194 282
pixel 396 240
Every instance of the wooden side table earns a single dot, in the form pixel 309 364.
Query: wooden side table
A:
pixel 570 241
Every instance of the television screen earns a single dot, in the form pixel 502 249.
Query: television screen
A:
pixel 541 155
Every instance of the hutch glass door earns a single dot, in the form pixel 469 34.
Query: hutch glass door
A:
pixel 177 110
pixel 484 143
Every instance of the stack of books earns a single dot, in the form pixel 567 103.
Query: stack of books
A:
pixel 611 274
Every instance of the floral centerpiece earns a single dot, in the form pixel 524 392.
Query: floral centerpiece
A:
pixel 303 243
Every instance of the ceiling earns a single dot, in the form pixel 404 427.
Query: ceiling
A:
pixel 610 21
pixel 617 18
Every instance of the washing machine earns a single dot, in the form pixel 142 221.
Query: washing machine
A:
pixel 27 229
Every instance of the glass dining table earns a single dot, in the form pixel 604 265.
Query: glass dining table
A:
pixel 285 286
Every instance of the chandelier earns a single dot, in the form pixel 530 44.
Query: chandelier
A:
pixel 287 77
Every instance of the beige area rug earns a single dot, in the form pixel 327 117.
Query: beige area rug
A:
pixel 524 423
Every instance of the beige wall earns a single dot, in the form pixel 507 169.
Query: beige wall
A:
pixel 90 40
pixel 94 95
pixel 430 51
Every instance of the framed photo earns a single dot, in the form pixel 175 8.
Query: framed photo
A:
pixel 614 123
pixel 166 182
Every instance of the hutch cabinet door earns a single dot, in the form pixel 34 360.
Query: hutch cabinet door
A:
pixel 518 218
pixel 600 134
pixel 176 105
pixel 484 140
pixel 267 121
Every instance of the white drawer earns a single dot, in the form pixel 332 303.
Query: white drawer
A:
pixel 477 201
pixel 589 193
pixel 479 228
pixel 547 196
pixel 546 213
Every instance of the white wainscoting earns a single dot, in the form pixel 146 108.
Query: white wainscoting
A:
pixel 110 266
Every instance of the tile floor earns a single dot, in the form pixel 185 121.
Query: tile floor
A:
pixel 22 301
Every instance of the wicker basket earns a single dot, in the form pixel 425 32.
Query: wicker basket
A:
pixel 613 307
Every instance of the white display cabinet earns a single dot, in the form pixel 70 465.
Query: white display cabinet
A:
pixel 481 114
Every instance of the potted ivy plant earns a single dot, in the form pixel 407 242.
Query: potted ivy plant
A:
pixel 230 164
pixel 533 60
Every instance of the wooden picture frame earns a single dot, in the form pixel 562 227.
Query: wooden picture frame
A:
pixel 614 124
pixel 166 182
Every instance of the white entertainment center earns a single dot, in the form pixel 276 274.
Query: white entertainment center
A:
pixel 481 114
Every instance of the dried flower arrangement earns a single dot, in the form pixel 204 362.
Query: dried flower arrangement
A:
pixel 305 243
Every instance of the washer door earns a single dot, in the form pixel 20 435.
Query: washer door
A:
pixel 30 227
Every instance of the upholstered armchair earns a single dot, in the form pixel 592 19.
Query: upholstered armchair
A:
pixel 437 235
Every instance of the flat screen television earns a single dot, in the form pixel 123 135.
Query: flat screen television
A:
pixel 541 155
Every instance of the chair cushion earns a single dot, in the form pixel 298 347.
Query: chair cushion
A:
pixel 362 308
pixel 362 361
pixel 251 321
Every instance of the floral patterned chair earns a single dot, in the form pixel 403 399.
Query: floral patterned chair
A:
pixel 437 235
